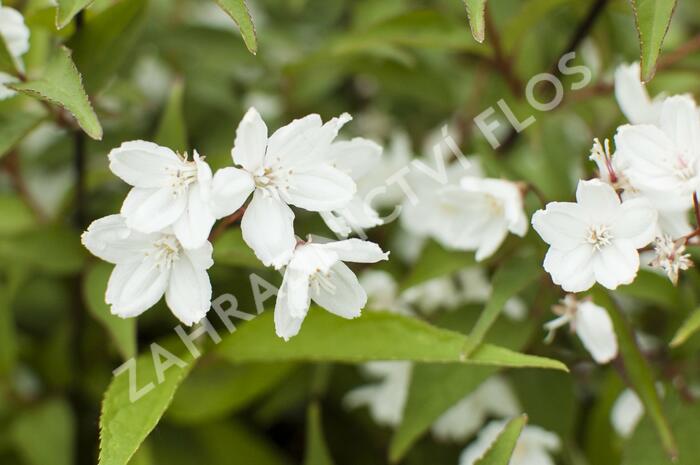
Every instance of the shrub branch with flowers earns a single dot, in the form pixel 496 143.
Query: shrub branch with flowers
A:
pixel 451 275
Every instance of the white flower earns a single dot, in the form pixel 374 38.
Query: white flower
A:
pixel 316 271
pixel 169 191
pixel 595 239
pixel 356 158
pixel 148 266
pixel 386 398
pixel 534 446
pixel 383 292
pixel 289 168
pixel 15 34
pixel 592 325
pixel 671 257
pixel 432 295
pixel 665 158
pixel 493 398
pixel 626 413
pixel 633 97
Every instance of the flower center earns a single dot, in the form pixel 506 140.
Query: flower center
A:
pixel 683 169
pixel 599 236
pixel 273 180
pixel 164 253
pixel 182 176
pixel 322 280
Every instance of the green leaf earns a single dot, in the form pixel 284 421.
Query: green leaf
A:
pixel 434 262
pixel 13 128
pixel 248 446
pixel 510 279
pixel 44 435
pixel 172 131
pixel 326 337
pixel 62 85
pixel 689 327
pixel 8 63
pixel 37 249
pixel 16 216
pixel 238 11
pixel 428 399
pixel 476 9
pixel 125 424
pixel 67 9
pixel 638 372
pixel 316 449
pixel 502 449
pixel 217 389
pixel 652 18
pixel 232 250
pixel 104 42
pixel 121 330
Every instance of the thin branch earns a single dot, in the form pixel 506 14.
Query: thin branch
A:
pixel 691 46
pixel 226 223
pixel 502 62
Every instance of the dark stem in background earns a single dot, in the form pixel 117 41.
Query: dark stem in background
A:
pixel 79 165
pixel 500 60
pixel 580 33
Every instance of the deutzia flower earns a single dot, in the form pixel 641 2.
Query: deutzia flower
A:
pixel 493 398
pixel 626 413
pixel 355 157
pixel 534 447
pixel 16 37
pixel 316 271
pixel 590 322
pixel 666 157
pixel 289 168
pixel 596 238
pixel 149 265
pixel 633 98
pixel 168 191
pixel 386 398
pixel 671 257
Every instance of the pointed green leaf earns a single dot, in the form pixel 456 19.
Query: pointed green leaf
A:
pixel 172 131
pixel 427 400
pixel 62 85
pixel 67 9
pixel 652 18
pixel 8 63
pixel 104 42
pixel 121 330
pixel 326 337
pixel 14 127
pixel 476 9
pixel 638 371
pixel 502 449
pixel 510 279
pixel 689 327
pixel 124 422
pixel 316 449
pixel 238 11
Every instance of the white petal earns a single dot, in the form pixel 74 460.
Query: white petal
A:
pixel 251 141
pixel 296 291
pixel 346 297
pixel 189 291
pixel 322 188
pixel 134 288
pixel 616 264
pixel 572 270
pixel 292 140
pixel 6 92
pixel 336 223
pixel 201 257
pixel 151 210
pixel 681 123
pixel 355 157
pixel 230 188
pixel 460 421
pixel 195 223
pixel 111 240
pixel 632 96
pixel 636 222
pixel 597 199
pixel 493 236
pixel 14 31
pixel 144 164
pixel 356 250
pixel 594 328
pixel 268 229
pixel 560 225
pixel 626 413
pixel 286 325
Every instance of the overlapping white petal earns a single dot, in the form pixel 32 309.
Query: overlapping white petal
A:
pixel 534 447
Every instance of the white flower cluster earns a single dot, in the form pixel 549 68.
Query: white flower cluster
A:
pixel 159 241
pixel 15 34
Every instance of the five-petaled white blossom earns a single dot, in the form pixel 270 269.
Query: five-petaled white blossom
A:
pixel 316 272
pixel 590 322
pixel 290 167
pixel 149 265
pixel 596 238
pixel 169 190
pixel 534 447
pixel 15 34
